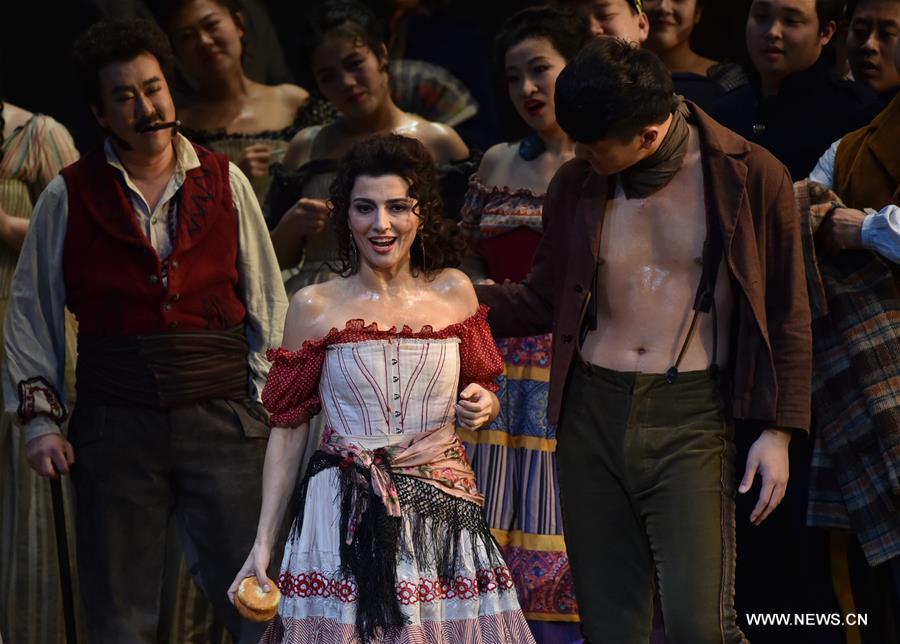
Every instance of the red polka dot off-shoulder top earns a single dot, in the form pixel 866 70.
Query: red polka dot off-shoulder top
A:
pixel 375 381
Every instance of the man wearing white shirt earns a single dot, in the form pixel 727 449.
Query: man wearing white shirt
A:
pixel 875 224
pixel 874 229
pixel 159 249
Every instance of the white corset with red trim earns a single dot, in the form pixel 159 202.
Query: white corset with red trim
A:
pixel 386 389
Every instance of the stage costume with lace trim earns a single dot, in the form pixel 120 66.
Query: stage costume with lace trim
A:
pixel 513 456
pixel 389 544
pixel 232 144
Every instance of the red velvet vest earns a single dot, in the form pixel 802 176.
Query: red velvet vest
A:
pixel 113 276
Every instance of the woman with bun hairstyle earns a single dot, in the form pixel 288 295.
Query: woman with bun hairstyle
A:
pixel 250 122
pixel 389 542
pixel 348 63
pixel 514 455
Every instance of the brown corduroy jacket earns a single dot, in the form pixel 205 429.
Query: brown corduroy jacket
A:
pixel 750 194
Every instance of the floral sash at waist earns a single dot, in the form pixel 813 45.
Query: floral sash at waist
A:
pixel 436 457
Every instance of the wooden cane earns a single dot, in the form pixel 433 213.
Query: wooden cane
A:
pixel 62 552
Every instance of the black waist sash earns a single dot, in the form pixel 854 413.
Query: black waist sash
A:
pixel 164 370
pixel 438 526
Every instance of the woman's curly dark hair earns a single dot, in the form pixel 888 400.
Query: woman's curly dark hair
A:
pixel 437 244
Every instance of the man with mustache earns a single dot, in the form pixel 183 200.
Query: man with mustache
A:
pixel 159 249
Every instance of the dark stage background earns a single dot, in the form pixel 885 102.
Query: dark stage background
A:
pixel 36 39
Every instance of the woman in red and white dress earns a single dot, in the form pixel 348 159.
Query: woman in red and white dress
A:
pixel 389 543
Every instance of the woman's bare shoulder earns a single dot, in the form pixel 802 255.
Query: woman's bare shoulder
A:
pixel 442 141
pixel 309 314
pixel 300 148
pixel 495 164
pixel 455 287
pixel 293 96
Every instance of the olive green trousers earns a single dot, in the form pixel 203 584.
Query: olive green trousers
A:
pixel 646 474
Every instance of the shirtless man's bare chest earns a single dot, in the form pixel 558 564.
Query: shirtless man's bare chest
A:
pixel 649 270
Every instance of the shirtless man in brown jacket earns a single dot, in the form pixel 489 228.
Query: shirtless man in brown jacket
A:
pixel 688 313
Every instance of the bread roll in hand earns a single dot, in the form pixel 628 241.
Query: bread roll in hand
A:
pixel 253 603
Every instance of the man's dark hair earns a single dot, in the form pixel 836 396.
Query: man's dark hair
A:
pixel 852 5
pixel 118 41
pixel 612 89
pixel 566 30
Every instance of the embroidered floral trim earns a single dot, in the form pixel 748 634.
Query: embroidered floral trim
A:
pixel 460 587
pixel 37 397
pixel 316 584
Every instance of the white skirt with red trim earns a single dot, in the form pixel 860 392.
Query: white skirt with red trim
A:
pixel 478 605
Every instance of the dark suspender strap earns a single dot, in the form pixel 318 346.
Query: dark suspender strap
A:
pixel 705 299
pixel 712 258
pixel 672 372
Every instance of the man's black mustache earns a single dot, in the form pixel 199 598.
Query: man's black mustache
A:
pixel 151 123
pixel 160 125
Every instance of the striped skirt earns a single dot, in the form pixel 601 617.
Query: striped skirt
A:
pixel 515 467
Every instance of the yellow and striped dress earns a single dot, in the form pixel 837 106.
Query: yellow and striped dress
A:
pixel 30 603
pixel 513 456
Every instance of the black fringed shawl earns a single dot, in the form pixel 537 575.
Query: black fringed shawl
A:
pixel 370 556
